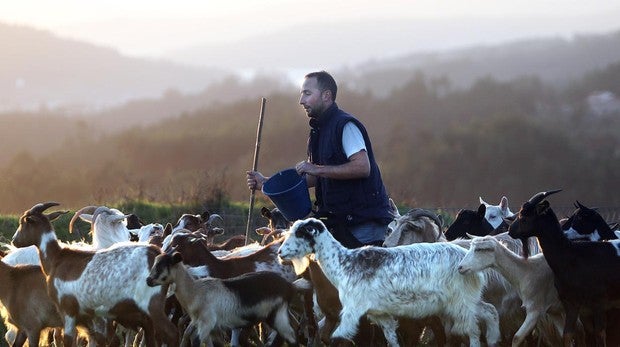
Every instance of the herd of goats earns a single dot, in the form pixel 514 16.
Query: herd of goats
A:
pixel 491 278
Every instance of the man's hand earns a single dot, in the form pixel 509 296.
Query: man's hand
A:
pixel 255 180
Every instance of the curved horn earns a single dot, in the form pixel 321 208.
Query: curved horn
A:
pixel 213 217
pixel 539 197
pixel 76 215
pixel 420 212
pixel 39 208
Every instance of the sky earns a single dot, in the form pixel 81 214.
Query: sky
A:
pixel 154 27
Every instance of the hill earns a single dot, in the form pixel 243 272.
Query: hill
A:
pixel 556 61
pixel 47 71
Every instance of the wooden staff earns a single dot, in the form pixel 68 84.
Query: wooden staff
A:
pixel 254 167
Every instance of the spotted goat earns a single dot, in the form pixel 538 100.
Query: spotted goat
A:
pixel 385 283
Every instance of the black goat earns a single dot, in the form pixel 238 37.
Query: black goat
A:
pixel 586 274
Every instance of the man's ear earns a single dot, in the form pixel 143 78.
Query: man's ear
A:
pixel 327 95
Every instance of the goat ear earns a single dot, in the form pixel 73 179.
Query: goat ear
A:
pixel 205 215
pixel 482 201
pixel 168 229
pixel 218 231
pixel 87 217
pixel 503 204
pixel 264 211
pixel 482 209
pixel 54 215
pixel 176 258
pixel 542 207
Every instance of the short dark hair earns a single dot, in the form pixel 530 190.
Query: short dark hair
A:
pixel 325 82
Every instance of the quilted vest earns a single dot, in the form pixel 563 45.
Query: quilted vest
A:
pixel 345 201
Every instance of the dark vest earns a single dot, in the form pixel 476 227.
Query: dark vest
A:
pixel 345 201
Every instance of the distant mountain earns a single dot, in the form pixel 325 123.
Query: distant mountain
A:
pixel 556 61
pixel 384 54
pixel 44 70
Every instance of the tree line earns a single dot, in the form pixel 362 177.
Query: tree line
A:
pixel 437 145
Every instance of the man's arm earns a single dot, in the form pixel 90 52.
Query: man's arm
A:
pixel 358 166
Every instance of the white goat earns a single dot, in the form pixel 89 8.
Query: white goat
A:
pixel 413 281
pixel 531 277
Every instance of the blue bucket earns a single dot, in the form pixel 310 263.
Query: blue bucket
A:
pixel 289 192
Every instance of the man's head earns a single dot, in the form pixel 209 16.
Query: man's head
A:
pixel 318 92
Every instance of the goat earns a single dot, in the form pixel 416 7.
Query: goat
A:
pixel 23 293
pixel 104 234
pixel 203 221
pixel 277 225
pixel 229 244
pixel 109 226
pixel 227 303
pixel 586 224
pixel 413 281
pixel 530 277
pixel 417 225
pixel 497 291
pixel 586 274
pixel 496 215
pixel 195 252
pixel 469 222
pixel 106 283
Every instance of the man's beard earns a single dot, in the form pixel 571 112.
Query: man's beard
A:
pixel 315 112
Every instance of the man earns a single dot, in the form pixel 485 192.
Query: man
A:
pixel 350 196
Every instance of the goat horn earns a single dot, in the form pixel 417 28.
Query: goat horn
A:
pixel 539 197
pixel 580 205
pixel 76 215
pixel 420 212
pixel 39 208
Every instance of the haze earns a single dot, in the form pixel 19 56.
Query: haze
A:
pixel 171 29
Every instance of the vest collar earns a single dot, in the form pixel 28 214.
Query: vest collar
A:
pixel 324 117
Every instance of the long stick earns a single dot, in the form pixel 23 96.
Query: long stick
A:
pixel 254 167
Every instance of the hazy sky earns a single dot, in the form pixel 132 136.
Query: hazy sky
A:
pixel 141 27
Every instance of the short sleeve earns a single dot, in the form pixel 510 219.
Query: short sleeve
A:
pixel 352 139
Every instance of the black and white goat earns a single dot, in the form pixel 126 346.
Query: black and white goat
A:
pixel 108 283
pixel 586 274
pixel 496 215
pixel 228 303
pixel 586 224
pixel 413 281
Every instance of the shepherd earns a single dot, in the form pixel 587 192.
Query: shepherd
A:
pixel 350 197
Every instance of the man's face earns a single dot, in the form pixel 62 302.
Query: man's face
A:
pixel 312 100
